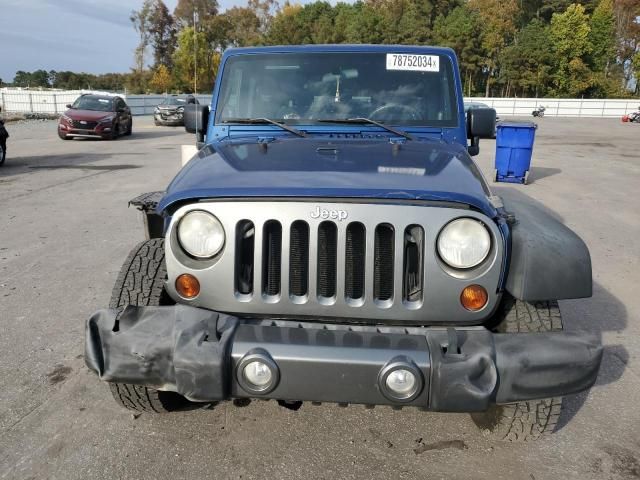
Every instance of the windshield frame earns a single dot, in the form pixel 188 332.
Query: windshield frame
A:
pixel 446 55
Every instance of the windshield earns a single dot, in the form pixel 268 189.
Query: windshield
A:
pixel 98 104
pixel 174 101
pixel 401 89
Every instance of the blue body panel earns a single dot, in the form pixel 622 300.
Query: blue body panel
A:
pixel 326 168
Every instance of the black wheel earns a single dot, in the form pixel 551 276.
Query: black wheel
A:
pixel 129 127
pixel 523 421
pixel 115 131
pixel 63 136
pixel 156 122
pixel 3 153
pixel 141 282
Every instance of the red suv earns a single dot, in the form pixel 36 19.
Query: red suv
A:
pixel 96 116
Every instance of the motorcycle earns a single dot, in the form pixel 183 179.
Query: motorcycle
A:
pixel 632 117
pixel 3 142
pixel 539 112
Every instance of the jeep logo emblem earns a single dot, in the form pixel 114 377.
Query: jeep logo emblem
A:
pixel 326 214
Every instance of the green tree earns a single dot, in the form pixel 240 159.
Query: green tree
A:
pixel 242 27
pixel 460 30
pixel 498 22
pixel 138 81
pixel 526 63
pixel 635 66
pixel 627 13
pixel 185 9
pixel 161 80
pixel 570 39
pixel 602 36
pixel 162 32
pixel 196 64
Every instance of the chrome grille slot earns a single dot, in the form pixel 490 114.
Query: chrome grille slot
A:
pixel 413 264
pixel 354 264
pixel 245 244
pixel 271 258
pixel 299 259
pixel 327 256
pixel 383 263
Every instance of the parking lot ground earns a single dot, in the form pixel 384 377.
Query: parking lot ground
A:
pixel 65 229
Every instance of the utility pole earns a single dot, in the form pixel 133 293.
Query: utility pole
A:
pixel 195 65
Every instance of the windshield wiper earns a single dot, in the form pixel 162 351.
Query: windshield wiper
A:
pixel 263 121
pixel 362 120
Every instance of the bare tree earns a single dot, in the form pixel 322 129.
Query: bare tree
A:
pixel 141 20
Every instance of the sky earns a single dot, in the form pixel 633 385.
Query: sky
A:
pixel 93 36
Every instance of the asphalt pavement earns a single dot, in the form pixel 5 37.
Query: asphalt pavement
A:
pixel 65 230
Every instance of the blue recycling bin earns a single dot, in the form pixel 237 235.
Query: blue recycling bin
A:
pixel 514 148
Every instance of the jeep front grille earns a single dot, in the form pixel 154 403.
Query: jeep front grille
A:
pixel 368 262
pixel 380 271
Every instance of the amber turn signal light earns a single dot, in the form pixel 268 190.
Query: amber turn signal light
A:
pixel 187 286
pixel 474 297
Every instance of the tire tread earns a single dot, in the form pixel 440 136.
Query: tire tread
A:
pixel 532 420
pixel 141 282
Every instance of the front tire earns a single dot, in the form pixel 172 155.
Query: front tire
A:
pixel 532 420
pixel 3 154
pixel 129 128
pixel 115 131
pixel 141 283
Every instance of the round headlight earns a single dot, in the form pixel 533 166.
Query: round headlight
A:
pixel 201 234
pixel 464 243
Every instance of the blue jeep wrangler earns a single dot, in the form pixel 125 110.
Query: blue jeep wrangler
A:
pixel 333 241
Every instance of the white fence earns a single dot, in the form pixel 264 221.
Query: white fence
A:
pixel 560 107
pixel 33 101
pixel 54 102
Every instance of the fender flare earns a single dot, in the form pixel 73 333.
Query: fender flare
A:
pixel 548 260
pixel 153 222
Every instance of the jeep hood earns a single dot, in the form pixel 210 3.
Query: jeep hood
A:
pixel 331 168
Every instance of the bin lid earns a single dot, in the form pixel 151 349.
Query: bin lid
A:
pixel 517 125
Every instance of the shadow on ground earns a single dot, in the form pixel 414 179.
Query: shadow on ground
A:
pixel 538 173
pixel 21 165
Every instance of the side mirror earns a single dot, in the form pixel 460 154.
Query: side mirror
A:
pixel 69 105
pixel 481 123
pixel 196 118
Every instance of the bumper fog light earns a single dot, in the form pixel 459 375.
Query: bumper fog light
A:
pixel 400 380
pixel 257 373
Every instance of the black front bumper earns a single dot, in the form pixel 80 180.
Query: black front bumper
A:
pixel 197 353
